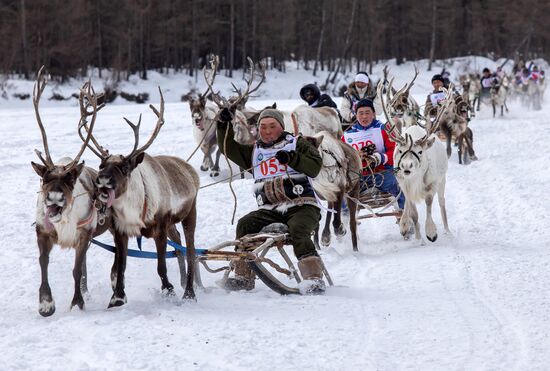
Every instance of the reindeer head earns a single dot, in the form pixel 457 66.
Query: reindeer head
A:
pixel 245 133
pixel 58 180
pixel 409 157
pixel 115 170
pixel 197 107
pixel 402 108
pixel 411 146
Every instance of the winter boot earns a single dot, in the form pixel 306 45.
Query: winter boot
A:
pixel 244 277
pixel 311 268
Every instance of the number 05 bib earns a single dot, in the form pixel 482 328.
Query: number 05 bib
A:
pixel 272 167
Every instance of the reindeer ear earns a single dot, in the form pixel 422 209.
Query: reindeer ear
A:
pixel 319 140
pixel 39 169
pixel 316 141
pixel 77 170
pixel 430 141
pixel 137 160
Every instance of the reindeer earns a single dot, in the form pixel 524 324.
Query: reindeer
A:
pixel 309 121
pixel 339 177
pixel 404 106
pixel 244 133
pixel 421 167
pixel 471 90
pixel 499 94
pixel 65 212
pixel 204 115
pixel 148 196
pixel 453 124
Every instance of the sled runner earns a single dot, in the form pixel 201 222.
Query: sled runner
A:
pixel 264 252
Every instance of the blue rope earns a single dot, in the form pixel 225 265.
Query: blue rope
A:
pixel 148 254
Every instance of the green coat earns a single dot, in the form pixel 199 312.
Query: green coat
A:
pixel 307 159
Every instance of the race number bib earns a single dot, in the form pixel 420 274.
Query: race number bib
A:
pixel 267 166
pixel 435 98
pixel 487 83
pixel 363 138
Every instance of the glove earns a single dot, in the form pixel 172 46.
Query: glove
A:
pixel 225 115
pixel 369 150
pixel 374 160
pixel 284 157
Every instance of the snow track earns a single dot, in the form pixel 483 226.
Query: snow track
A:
pixel 474 300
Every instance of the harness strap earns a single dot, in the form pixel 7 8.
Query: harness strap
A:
pixel 84 222
pixel 149 254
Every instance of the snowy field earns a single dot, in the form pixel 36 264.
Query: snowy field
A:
pixel 478 299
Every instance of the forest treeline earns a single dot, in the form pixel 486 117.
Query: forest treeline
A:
pixel 134 36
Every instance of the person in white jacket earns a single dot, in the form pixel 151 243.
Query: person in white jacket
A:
pixel 360 88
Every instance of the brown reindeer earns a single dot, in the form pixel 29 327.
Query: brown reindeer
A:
pixel 65 214
pixel 148 195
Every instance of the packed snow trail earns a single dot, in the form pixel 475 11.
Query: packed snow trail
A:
pixel 474 300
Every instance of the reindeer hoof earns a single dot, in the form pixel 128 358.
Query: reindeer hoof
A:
pixel 340 231
pixel 79 302
pixel 168 291
pixel 325 241
pixel 432 239
pixel 203 168
pixel 189 296
pixel 46 308
pixel 214 174
pixel 116 301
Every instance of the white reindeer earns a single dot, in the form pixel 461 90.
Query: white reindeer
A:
pixel 309 121
pixel 421 164
pixel 204 114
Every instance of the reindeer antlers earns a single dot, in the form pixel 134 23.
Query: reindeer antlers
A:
pixel 249 81
pixel 158 126
pixel 39 86
pixel 220 101
pixel 87 91
pixel 209 77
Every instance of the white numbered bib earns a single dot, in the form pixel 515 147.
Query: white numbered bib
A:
pixel 487 83
pixel 364 138
pixel 435 98
pixel 267 166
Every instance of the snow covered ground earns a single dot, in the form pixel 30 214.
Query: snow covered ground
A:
pixel 478 299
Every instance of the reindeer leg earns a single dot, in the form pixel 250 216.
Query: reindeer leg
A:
pixel 84 276
pixel 460 148
pixel 431 229
pixel 46 305
pixel 189 224
pixel 470 148
pixel 242 172
pixel 119 296
pixel 161 240
pixel 216 169
pixel 353 217
pixel 325 237
pixel 441 201
pixel 80 255
pixel 339 227
pixel 316 238
pixel 174 235
pixel 449 139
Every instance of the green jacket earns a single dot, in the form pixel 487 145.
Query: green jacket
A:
pixel 307 159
